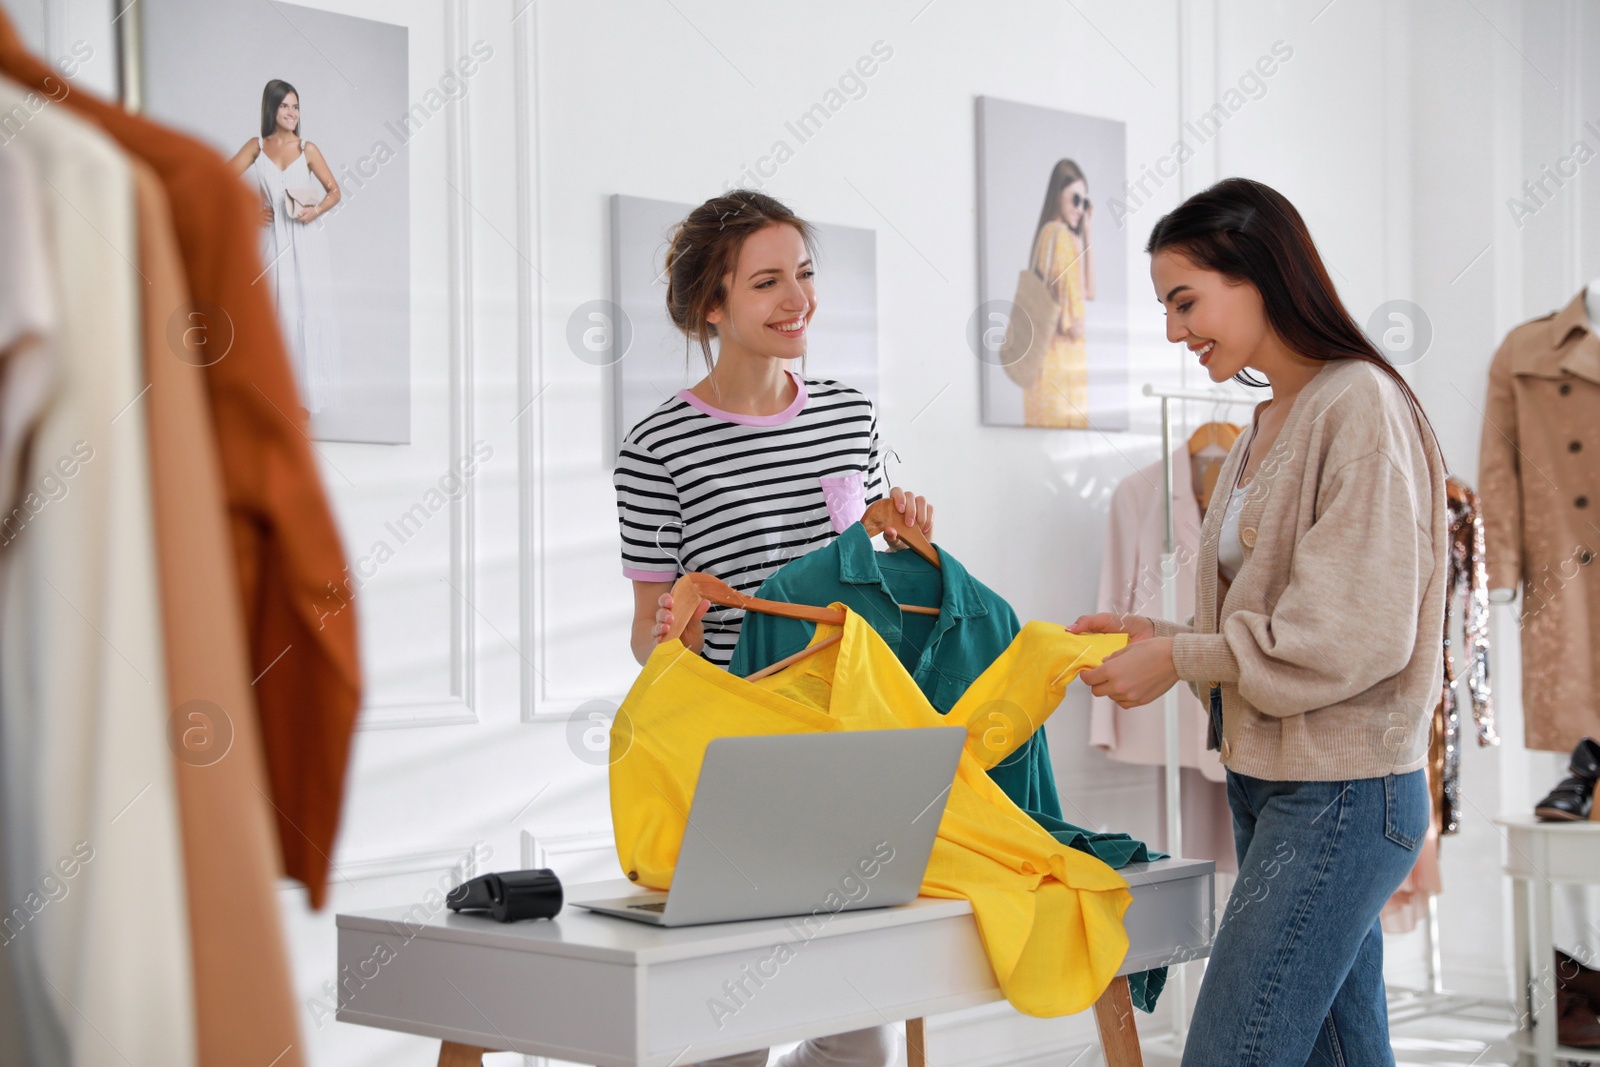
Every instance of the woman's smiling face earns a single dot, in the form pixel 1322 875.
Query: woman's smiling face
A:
pixel 771 298
pixel 1222 321
pixel 289 113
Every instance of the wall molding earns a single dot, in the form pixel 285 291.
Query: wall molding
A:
pixel 539 849
pixel 1572 120
pixel 460 707
pixel 531 383
pixel 461 858
pixel 1197 85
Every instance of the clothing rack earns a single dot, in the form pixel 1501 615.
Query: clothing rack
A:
pixel 1176 981
pixel 1169 587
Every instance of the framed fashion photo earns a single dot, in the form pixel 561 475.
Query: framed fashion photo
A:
pixel 1051 328
pixel 651 361
pixel 383 92
pixel 313 109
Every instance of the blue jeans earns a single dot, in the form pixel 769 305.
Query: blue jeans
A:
pixel 1296 972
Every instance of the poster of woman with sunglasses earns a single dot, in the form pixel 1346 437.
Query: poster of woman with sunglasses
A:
pixel 1051 329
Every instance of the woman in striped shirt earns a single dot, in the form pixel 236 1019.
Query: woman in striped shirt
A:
pixel 755 465
pixel 752 467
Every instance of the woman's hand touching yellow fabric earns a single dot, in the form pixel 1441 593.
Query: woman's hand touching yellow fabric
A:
pixel 1136 674
pixel 1133 675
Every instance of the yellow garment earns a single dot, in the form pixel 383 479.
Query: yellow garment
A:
pixel 1050 916
pixel 1061 395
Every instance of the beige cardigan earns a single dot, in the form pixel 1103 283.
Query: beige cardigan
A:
pixel 1328 648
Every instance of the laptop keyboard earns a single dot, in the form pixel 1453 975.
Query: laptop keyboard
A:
pixel 657 906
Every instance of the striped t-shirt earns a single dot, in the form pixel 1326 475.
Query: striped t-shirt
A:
pixel 738 496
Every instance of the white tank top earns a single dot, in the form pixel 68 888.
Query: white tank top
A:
pixel 1230 554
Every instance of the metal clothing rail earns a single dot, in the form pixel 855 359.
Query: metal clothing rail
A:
pixel 1176 982
pixel 1169 586
pixel 130 56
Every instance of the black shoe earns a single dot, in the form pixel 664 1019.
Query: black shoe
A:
pixel 1570 800
pixel 1574 977
pixel 1576 1023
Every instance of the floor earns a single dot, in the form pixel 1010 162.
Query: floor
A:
pixel 1452 1041
pixel 1446 1041
pixel 1449 1041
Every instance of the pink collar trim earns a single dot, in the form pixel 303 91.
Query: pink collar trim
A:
pixel 794 408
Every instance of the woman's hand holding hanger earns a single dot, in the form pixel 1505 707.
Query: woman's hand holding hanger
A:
pixel 917 511
pixel 692 635
pixel 653 618
pixel 654 610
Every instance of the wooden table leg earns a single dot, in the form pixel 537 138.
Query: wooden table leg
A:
pixel 916 1051
pixel 1119 1034
pixel 454 1055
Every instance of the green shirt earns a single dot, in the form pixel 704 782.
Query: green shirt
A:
pixel 944 653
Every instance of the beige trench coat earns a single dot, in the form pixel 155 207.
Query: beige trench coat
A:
pixel 1539 475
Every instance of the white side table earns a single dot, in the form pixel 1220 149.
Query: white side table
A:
pixel 1536 856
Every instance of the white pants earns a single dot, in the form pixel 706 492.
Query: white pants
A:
pixel 876 1046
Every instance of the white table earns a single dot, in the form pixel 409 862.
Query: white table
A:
pixel 1536 856
pixel 595 989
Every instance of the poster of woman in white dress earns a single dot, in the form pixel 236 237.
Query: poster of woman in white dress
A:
pixel 297 188
pixel 315 110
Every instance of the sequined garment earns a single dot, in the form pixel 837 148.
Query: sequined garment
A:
pixel 1468 583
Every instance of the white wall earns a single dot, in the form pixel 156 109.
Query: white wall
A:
pixel 1397 131
pixel 57 30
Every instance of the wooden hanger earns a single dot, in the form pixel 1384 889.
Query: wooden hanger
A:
pixel 1220 434
pixel 695 587
pixel 883 515
pixel 1218 438
pixel 810 650
pixel 689 591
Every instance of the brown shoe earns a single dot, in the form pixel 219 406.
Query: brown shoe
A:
pixel 1575 977
pixel 1577 1026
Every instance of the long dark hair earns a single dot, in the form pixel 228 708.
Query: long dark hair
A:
pixel 1247 231
pixel 705 246
pixel 1064 174
pixel 271 97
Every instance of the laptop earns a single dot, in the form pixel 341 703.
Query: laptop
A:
pixel 795 824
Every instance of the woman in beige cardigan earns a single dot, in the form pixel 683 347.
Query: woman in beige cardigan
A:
pixel 1325 548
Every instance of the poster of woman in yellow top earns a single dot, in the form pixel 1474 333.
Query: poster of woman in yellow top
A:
pixel 1050 330
pixel 1064 260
